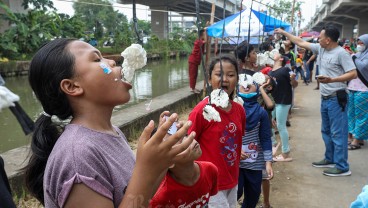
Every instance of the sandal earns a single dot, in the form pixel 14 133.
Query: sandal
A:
pixel 281 158
pixel 353 147
pixel 264 206
pixel 196 91
pixel 360 143
pixel 275 148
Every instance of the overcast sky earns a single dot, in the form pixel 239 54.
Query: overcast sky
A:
pixel 308 8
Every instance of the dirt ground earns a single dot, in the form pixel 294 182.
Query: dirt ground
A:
pixel 298 184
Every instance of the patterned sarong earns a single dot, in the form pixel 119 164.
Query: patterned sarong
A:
pixel 358 114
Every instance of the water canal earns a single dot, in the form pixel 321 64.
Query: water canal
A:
pixel 155 79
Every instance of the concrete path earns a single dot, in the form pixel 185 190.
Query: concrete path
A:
pixel 298 184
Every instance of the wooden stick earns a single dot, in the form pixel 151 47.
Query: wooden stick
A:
pixel 208 47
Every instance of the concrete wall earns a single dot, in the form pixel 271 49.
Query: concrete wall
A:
pixel 363 26
pixel 347 13
pixel 15 6
pixel 159 22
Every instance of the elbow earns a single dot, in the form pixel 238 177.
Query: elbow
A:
pixel 270 107
pixel 354 74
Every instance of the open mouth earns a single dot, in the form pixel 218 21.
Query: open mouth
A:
pixel 224 87
pixel 125 82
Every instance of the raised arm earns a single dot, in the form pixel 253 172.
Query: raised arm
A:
pixel 298 41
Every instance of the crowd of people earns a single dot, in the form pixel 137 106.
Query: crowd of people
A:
pixel 221 157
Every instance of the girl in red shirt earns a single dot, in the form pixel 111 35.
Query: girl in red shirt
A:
pixel 221 141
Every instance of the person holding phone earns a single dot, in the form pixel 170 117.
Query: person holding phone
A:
pixel 336 68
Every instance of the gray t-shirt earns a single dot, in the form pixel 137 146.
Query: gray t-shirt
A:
pixel 101 161
pixel 332 63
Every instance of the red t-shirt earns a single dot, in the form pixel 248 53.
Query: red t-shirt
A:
pixel 195 56
pixel 266 70
pixel 220 141
pixel 173 194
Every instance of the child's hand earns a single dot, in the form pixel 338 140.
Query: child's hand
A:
pixel 178 124
pixel 155 155
pixel 265 84
pixel 269 170
pixel 242 155
pixel 162 118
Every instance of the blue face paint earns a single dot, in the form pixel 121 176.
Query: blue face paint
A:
pixel 106 69
pixel 247 95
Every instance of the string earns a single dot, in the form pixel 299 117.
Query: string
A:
pixel 222 40
pixel 250 14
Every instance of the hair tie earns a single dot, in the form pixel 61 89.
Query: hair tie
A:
pixel 46 114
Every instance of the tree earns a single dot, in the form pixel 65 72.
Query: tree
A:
pixel 145 27
pixel 30 30
pixel 67 27
pixel 97 16
pixel 43 5
pixel 281 9
pixel 122 32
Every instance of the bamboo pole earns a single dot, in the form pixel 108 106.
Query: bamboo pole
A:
pixel 208 46
pixel 292 15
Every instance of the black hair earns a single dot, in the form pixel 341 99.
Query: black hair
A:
pixel 292 45
pixel 225 58
pixel 243 50
pixel 265 46
pixel 285 59
pixel 332 32
pixel 50 65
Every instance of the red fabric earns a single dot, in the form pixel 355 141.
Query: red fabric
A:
pixel 266 70
pixel 173 194
pixel 348 49
pixel 220 141
pixel 193 74
pixel 195 56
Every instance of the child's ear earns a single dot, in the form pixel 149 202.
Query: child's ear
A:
pixel 71 87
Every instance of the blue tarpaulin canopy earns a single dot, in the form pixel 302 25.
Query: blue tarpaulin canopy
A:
pixel 259 23
pixel 270 23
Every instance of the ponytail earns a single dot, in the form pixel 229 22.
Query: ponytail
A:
pixel 43 140
pixel 49 66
